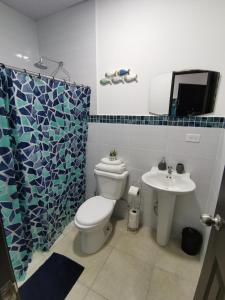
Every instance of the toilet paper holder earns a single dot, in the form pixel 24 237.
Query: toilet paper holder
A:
pixel 134 197
pixel 133 219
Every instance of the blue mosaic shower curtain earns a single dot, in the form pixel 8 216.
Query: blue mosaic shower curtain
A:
pixel 43 132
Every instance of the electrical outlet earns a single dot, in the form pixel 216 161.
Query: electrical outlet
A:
pixel 192 137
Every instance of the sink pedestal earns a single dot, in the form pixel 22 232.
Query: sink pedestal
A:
pixel 167 185
pixel 166 204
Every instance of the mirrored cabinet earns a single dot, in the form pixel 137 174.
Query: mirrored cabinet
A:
pixel 193 93
pixel 184 93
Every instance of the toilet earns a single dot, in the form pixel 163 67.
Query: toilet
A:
pixel 93 216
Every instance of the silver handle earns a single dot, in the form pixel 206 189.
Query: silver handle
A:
pixel 216 221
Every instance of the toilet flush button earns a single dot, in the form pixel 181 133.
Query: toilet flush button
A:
pixel 192 137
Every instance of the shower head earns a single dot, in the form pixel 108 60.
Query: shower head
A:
pixel 40 65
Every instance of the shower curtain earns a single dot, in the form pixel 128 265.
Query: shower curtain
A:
pixel 43 132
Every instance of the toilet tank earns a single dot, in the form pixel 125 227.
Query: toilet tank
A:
pixel 110 185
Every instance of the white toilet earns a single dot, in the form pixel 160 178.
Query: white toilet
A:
pixel 93 216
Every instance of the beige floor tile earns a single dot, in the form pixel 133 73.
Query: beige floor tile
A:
pixel 78 292
pixel 38 259
pixel 171 258
pixel 70 227
pixel 94 296
pixel 20 283
pixel 119 269
pixel 119 224
pixel 59 239
pixel 119 228
pixel 123 277
pixel 166 285
pixel 141 245
pixel 70 247
pixel 113 238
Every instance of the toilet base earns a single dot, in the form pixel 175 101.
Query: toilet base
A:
pixel 92 241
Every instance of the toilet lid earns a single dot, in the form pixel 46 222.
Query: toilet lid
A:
pixel 94 210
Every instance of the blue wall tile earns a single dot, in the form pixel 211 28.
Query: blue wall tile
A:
pixel 215 122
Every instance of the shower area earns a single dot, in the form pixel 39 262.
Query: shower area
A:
pixel 43 136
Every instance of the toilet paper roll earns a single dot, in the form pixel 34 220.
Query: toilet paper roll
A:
pixel 133 196
pixel 133 191
pixel 133 219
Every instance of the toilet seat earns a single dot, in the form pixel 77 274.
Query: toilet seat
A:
pixel 94 211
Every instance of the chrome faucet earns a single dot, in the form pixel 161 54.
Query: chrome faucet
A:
pixel 170 170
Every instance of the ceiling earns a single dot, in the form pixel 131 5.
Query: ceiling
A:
pixel 38 9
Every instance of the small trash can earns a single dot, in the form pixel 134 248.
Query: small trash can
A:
pixel 191 241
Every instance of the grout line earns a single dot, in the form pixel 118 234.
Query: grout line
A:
pixel 88 289
pixel 130 255
pixel 83 283
pixel 85 294
pixel 134 256
pixel 102 266
pixel 97 293
pixel 114 247
pixel 149 287
pixel 178 276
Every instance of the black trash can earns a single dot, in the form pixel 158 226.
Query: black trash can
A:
pixel 191 241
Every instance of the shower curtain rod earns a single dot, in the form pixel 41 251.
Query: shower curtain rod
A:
pixel 36 74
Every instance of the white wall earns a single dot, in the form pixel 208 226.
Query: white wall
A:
pixel 70 36
pixel 18 35
pixel 141 147
pixel 153 37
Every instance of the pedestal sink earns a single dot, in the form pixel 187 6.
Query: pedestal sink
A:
pixel 167 187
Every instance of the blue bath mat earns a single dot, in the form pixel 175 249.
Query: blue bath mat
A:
pixel 53 280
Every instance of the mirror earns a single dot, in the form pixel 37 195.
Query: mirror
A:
pixel 183 93
pixel 193 93
pixel 160 87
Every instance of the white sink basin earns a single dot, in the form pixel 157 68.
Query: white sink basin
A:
pixel 174 183
pixel 167 187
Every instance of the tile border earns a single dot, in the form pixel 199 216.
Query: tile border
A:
pixel 214 122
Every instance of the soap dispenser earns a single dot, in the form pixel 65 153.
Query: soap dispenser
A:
pixel 162 164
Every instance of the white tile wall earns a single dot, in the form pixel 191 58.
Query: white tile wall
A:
pixel 142 146
pixel 143 37
pixel 18 36
pixel 70 36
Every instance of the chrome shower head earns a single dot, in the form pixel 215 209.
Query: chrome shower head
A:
pixel 40 65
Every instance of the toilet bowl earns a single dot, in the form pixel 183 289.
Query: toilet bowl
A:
pixel 92 220
pixel 93 216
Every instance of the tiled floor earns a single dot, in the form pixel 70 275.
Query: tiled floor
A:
pixel 131 266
